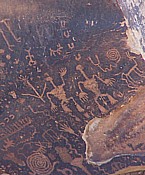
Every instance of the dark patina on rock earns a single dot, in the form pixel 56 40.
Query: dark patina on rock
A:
pixel 62 64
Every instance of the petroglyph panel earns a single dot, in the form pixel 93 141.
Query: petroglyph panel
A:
pixel 62 64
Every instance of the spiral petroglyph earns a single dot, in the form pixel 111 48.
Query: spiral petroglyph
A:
pixel 67 66
pixel 39 164
pixel 113 54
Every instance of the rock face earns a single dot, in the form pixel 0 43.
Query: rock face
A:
pixel 121 133
pixel 134 11
pixel 62 64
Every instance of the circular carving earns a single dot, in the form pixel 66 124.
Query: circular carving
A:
pixel 113 54
pixel 39 163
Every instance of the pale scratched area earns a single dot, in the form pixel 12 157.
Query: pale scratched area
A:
pixel 134 11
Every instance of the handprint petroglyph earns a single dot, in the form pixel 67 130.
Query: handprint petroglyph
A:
pixel 66 128
pixel 92 85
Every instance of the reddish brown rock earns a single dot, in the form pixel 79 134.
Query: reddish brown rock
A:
pixel 121 133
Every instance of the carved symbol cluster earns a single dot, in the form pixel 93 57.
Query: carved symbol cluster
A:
pixel 55 79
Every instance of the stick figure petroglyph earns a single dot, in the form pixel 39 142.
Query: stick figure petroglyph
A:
pixel 91 85
pixel 30 57
pixel 59 92
pixel 56 52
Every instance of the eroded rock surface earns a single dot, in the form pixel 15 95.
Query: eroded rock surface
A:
pixel 121 133
pixel 134 11
pixel 62 63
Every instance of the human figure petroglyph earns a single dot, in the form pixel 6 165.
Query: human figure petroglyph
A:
pixel 56 52
pixel 92 85
pixel 59 92
pixel 30 57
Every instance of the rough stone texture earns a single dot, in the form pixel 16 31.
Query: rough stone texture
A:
pixel 120 133
pixel 134 11
pixel 62 63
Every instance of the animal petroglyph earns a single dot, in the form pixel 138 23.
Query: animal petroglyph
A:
pixel 134 70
